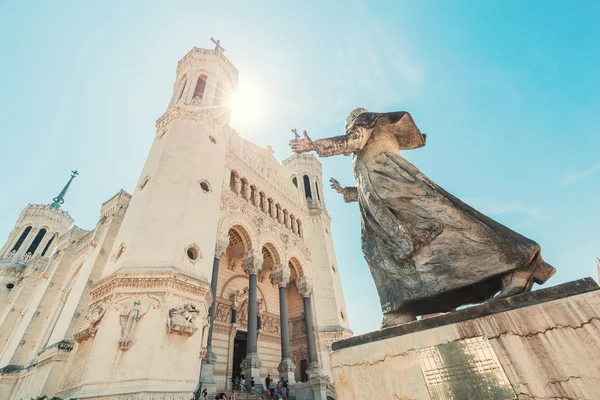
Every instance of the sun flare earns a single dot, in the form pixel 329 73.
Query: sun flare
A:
pixel 247 104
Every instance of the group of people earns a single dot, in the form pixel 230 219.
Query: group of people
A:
pixel 239 383
pixel 276 390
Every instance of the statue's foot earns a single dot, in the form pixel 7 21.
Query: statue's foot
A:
pixel 522 280
pixel 393 319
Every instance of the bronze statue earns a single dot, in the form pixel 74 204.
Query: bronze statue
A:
pixel 428 251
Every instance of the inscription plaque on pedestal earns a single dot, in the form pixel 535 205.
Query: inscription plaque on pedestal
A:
pixel 464 370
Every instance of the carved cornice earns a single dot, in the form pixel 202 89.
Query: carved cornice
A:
pixel 199 56
pixel 148 281
pixel 325 339
pixel 269 337
pixel 181 111
pixel 222 327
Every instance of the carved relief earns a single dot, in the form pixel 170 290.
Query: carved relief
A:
pixel 271 325
pixel 223 312
pixel 181 319
pixel 90 323
pixel 297 327
pixel 327 338
pixel 130 312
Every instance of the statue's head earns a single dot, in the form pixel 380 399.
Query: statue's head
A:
pixel 353 114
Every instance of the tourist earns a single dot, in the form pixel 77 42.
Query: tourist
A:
pixel 236 383
pixel 285 387
pixel 231 396
pixel 267 381
pixel 272 388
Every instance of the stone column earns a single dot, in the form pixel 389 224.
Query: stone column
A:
pixel 286 368
pixel 251 364
pixel 237 184
pixel 207 379
pixel 318 380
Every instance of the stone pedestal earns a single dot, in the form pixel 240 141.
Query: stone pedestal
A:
pixel 251 367
pixel 543 345
pixel 286 369
pixel 207 375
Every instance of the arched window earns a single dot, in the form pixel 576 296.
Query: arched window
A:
pixel 299 228
pixel 200 87
pixel 295 181
pixel 293 223
pixel 182 89
pixel 278 212
pixel 317 189
pixel 270 207
pixel 48 245
pixel 36 241
pixel 22 238
pixel 307 186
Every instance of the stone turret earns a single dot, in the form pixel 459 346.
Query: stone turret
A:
pixel 331 318
pixel 168 234
pixel 35 234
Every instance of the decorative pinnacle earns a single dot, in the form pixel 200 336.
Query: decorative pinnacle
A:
pixel 60 199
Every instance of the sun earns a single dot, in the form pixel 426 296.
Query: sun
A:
pixel 247 104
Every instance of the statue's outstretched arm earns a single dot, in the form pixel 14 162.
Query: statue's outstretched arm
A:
pixel 346 144
pixel 350 193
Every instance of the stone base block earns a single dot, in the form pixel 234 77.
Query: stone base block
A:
pixel 543 345
pixel 286 369
pixel 251 367
pixel 207 377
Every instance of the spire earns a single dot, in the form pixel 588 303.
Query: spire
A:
pixel 60 199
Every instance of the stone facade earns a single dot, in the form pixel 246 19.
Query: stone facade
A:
pixel 545 342
pixel 182 276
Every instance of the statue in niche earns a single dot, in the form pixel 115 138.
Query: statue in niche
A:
pixel 181 319
pixel 129 319
pixel 428 251
pixel 89 327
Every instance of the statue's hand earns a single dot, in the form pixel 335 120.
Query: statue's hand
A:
pixel 302 145
pixel 335 185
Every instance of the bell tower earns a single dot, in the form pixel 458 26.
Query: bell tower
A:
pixel 155 292
pixel 331 318
pixel 180 184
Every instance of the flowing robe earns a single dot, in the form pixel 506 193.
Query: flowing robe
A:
pixel 428 251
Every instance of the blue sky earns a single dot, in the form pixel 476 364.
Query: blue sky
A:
pixel 507 91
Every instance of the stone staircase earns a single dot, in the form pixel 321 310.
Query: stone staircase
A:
pixel 246 395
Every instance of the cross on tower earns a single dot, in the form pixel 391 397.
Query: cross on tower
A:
pixel 218 46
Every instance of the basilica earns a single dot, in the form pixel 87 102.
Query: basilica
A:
pixel 220 263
